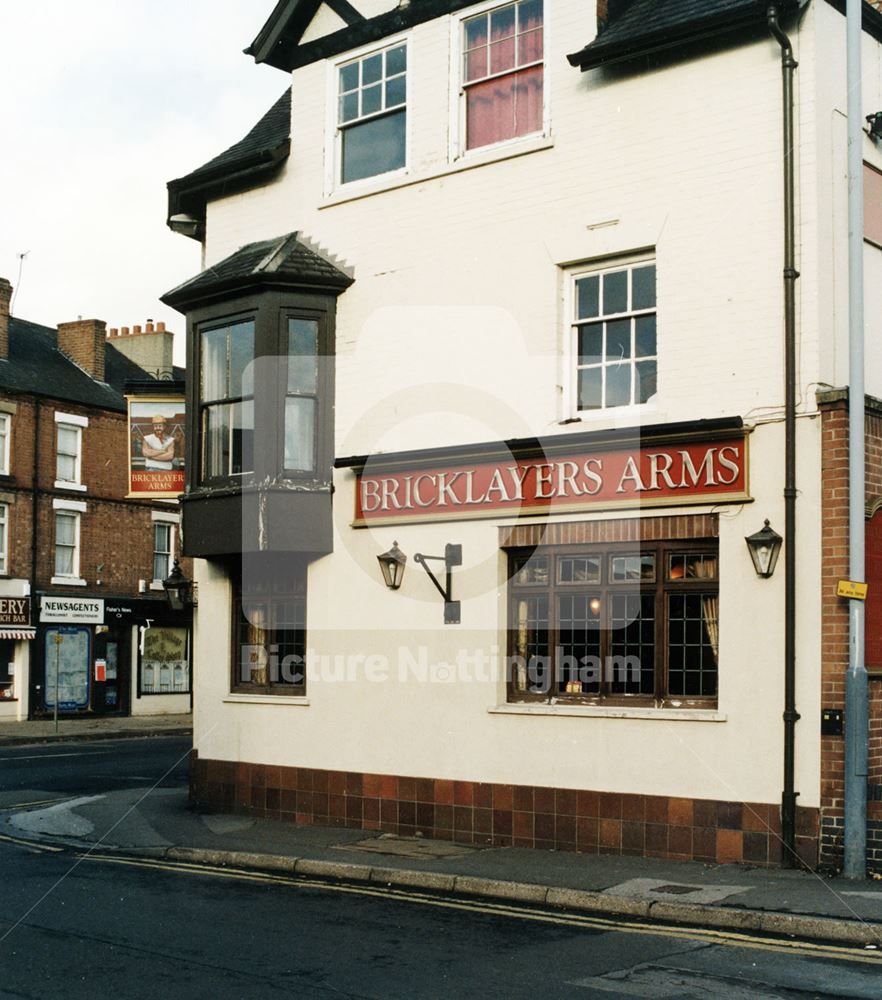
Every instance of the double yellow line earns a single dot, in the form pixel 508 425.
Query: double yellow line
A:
pixel 736 939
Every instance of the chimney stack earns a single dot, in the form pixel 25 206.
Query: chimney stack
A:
pixel 83 343
pixel 150 347
pixel 5 296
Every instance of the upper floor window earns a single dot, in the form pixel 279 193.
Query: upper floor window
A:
pixel 5 436
pixel 301 397
pixel 372 114
pixel 4 543
pixel 163 550
pixel 502 73
pixel 226 399
pixel 67 545
pixel 614 333
pixel 69 450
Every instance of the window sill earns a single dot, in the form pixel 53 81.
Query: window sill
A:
pixel 468 161
pixel 266 699
pixel 68 581
pixel 613 712
pixel 612 414
pixel 76 487
pixel 156 585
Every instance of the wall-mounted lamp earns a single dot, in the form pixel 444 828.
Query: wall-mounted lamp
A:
pixel 178 589
pixel 392 565
pixel 764 546
pixel 874 122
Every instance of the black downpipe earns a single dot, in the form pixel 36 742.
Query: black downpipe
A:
pixel 35 530
pixel 790 858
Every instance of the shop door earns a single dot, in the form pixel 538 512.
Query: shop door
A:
pixel 111 673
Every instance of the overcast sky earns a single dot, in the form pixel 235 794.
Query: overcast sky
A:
pixel 103 102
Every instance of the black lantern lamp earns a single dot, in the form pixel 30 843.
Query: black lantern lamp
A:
pixel 392 564
pixel 764 546
pixel 178 589
pixel 874 122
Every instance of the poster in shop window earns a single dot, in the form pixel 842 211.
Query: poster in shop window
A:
pixel 67 659
pixel 156 446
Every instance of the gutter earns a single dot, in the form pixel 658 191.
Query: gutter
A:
pixel 791 716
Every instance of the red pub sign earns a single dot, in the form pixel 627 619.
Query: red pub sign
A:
pixel 559 479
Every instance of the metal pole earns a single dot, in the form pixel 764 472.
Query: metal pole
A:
pixel 58 641
pixel 856 699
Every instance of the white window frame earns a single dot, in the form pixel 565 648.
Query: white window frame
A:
pixel 570 351
pixel 5 449
pixel 457 132
pixel 333 134
pixel 4 541
pixel 76 423
pixel 170 520
pixel 75 509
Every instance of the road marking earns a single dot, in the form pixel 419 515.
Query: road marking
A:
pixel 36 802
pixel 46 756
pixel 31 844
pixel 736 939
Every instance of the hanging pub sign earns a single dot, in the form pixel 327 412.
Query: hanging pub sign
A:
pixel 156 446
pixel 558 475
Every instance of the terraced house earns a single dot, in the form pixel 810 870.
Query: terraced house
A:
pixel 512 329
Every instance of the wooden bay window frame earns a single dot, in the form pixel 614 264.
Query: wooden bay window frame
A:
pixel 554 589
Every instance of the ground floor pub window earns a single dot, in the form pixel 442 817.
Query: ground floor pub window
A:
pixel 615 624
pixel 165 662
pixel 7 669
pixel 66 652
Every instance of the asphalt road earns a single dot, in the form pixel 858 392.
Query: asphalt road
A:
pixel 78 926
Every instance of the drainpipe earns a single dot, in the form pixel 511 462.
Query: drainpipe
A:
pixel 35 529
pixel 791 716
pixel 856 695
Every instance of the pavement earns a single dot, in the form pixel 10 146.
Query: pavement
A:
pixel 94 728
pixel 161 823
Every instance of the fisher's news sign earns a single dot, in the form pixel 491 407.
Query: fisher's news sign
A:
pixel 558 480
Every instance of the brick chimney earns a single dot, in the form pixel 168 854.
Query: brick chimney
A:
pixel 5 296
pixel 149 347
pixel 83 343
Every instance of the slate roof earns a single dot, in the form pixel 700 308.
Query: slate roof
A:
pixel 285 260
pixel 36 366
pixel 643 26
pixel 246 163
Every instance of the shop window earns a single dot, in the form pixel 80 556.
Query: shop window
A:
pixel 163 550
pixel 226 397
pixel 503 74
pixel 615 624
pixel 165 661
pixel 67 657
pixel 371 114
pixel 5 441
pixel 613 331
pixel 4 543
pixel 67 546
pixel 7 669
pixel 269 642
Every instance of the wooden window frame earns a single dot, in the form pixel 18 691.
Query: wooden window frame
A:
pixel 662 588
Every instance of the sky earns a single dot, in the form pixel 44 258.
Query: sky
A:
pixel 104 101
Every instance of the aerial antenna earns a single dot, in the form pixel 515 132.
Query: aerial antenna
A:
pixel 21 260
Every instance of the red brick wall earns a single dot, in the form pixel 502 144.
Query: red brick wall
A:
pixel 834 625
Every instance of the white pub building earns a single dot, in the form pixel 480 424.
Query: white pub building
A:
pixel 503 347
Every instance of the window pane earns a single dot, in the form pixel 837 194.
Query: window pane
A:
pixel 396 60
pixel 396 91
pixel 213 355
pixel 300 433
pixel 615 292
pixel 632 567
pixel 348 107
pixel 502 23
pixel 504 108
pixel 371 69
pixel 529 14
pixel 647 381
pixel 591 344
pixel 693 632
pixel 530 47
pixel 645 336
pixel 632 646
pixel 643 287
pixel 65 529
pixel 530 571
pixel 374 147
pixel 618 340
pixel 348 77
pixel 502 55
pixel 241 356
pixel 579 569
pixel 66 469
pixel 531 670
pixel 579 643
pixel 242 437
pixel 215 441
pixel 590 389
pixel 587 296
pixel 618 384
pixel 372 99
pixel 476 31
pixel 302 355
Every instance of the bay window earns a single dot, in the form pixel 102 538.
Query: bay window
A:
pixel 503 73
pixel 227 399
pixel 611 624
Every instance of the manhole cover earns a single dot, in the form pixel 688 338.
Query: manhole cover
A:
pixel 677 890
pixel 407 847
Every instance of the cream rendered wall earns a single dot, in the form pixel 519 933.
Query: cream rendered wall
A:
pixel 453 332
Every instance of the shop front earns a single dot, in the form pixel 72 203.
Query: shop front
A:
pixel 16 635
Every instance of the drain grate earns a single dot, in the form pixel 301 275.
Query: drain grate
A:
pixel 677 890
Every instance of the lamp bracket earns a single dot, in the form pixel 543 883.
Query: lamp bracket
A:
pixel 452 557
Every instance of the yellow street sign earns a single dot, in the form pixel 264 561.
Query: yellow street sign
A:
pixel 848 588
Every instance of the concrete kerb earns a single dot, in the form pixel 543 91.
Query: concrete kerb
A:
pixel 817 928
pixel 120 734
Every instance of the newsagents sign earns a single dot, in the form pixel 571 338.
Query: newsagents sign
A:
pixel 72 609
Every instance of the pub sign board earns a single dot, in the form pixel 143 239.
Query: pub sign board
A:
pixel 559 480
pixel 15 611
pixel 156 446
